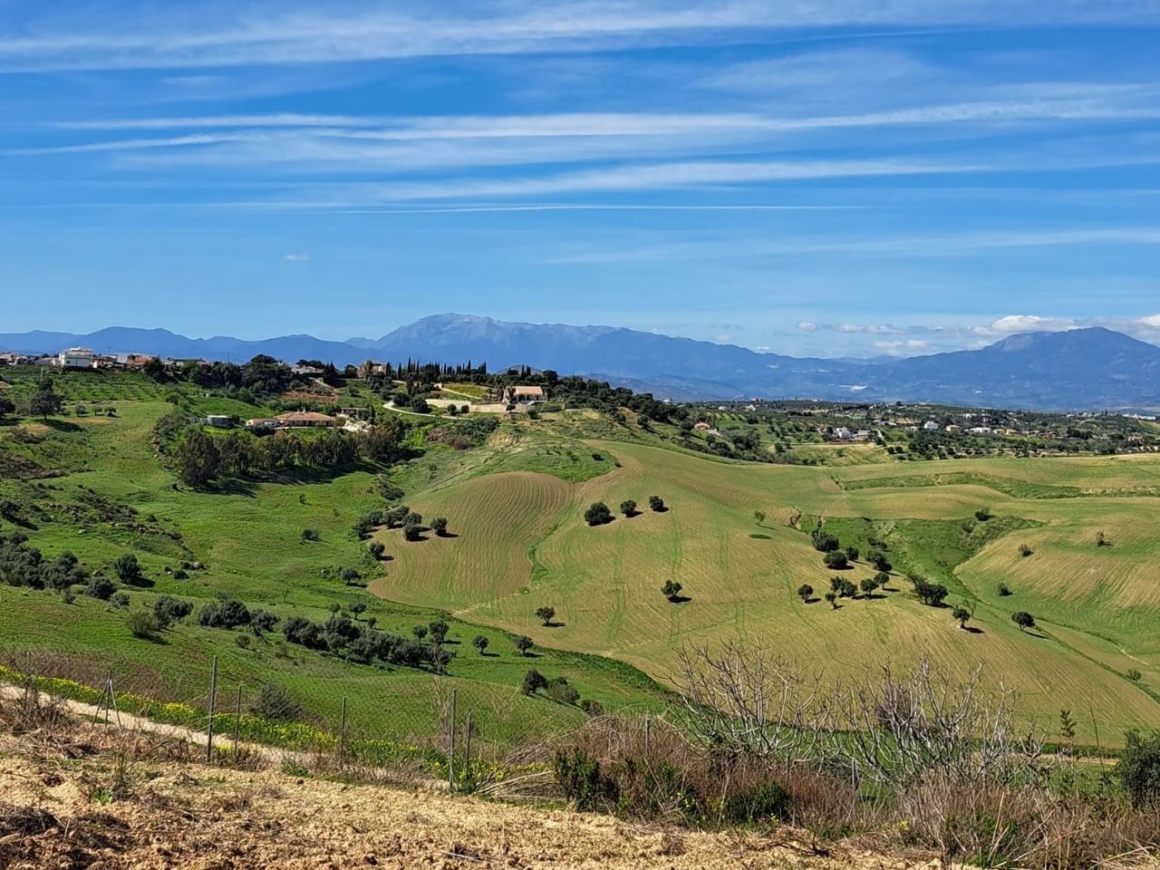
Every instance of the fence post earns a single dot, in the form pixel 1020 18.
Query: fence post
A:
pixel 342 736
pixel 237 720
pixel 451 754
pixel 212 704
pixel 467 751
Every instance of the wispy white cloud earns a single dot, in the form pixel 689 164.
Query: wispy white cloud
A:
pixel 909 246
pixel 296 258
pixel 209 35
pixel 657 176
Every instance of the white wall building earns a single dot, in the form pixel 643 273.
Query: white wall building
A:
pixel 76 358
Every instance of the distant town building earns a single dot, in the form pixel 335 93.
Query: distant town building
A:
pixel 305 420
pixel 76 358
pixel 219 421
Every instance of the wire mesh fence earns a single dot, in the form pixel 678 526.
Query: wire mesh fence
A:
pixel 438 729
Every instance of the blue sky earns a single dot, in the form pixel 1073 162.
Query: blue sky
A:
pixel 853 177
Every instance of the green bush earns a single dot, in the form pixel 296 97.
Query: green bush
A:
pixel 1139 768
pixel 580 777
pixel 142 624
pixel 759 803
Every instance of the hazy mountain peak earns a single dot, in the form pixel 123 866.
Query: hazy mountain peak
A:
pixel 1081 369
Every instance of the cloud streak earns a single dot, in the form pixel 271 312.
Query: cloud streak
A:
pixel 214 35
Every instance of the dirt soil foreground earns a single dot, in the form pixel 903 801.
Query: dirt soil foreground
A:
pixel 74 804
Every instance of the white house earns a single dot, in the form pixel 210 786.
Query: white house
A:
pixel 930 426
pixel 76 358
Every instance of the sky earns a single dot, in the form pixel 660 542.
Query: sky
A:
pixel 840 178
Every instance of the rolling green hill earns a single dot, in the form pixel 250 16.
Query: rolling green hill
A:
pixel 95 486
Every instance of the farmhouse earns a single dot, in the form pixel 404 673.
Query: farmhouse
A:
pixel 219 421
pixel 75 358
pixel 305 420
pixel 262 423
pixel 526 395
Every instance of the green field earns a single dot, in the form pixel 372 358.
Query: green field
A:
pixel 250 540
pixel 526 545
pixel 518 542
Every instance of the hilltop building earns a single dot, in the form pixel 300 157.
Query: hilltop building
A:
pixel 76 358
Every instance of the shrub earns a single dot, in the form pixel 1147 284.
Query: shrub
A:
pixel 805 591
pixel 349 576
pixel 597 514
pixel 225 614
pixel 671 590
pixel 301 631
pixel 832 597
pixel 961 614
pixel 142 624
pixel 275 702
pixel 1023 619
pixel 480 642
pixel 1134 675
pixel 868 585
pixel 656 503
pixel 100 587
pixel 242 640
pixel 412 532
pixel 1102 540
pixel 836 561
pixel 1003 589
pixel 561 692
pixel 878 559
pixel 592 707
pixel 852 553
pixel 1139 768
pixel 262 621
pixel 824 542
pixel 439 526
pixel 579 777
pixel 377 549
pixel 545 614
pixel 882 579
pixel 128 569
pixel 628 507
pixel 982 515
pixel 313 535
pixel 930 594
pixel 533 681
pixel 523 644
pixel 169 610
pixel 438 630
pixel 1025 550
pixel 759 803
pixel 121 600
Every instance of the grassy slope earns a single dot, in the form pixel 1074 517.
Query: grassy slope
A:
pixel 1095 606
pixel 251 545
pixel 515 508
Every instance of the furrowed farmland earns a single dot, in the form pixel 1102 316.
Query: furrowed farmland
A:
pixel 1068 540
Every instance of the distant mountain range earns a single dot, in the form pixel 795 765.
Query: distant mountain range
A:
pixel 1082 369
